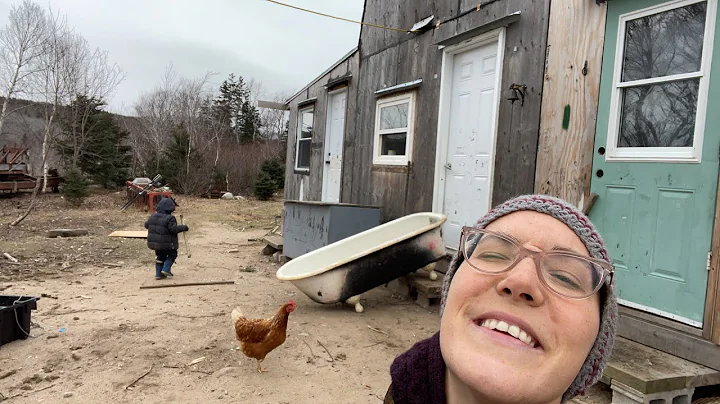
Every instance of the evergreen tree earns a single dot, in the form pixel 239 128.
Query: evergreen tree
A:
pixel 265 186
pixel 75 187
pixel 275 168
pixel 234 109
pixel 93 142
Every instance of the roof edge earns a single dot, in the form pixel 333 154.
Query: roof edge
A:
pixel 331 68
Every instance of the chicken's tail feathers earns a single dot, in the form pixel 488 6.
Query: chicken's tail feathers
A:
pixel 236 314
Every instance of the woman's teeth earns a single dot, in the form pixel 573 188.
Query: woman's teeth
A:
pixel 509 329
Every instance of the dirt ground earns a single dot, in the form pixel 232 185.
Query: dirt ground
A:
pixel 96 332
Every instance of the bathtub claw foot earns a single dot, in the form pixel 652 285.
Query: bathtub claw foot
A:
pixel 430 269
pixel 355 301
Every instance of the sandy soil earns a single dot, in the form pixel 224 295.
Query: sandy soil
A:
pixel 97 332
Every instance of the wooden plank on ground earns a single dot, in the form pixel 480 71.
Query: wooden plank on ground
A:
pixel 651 371
pixel 177 285
pixel 570 99
pixel 67 233
pixel 275 242
pixel 129 233
pixel 427 287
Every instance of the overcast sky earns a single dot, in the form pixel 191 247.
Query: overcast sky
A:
pixel 282 47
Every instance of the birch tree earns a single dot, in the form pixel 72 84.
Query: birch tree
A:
pixel 21 45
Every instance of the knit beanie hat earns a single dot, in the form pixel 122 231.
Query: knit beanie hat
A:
pixel 595 362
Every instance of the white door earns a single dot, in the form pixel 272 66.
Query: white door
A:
pixel 334 135
pixel 471 139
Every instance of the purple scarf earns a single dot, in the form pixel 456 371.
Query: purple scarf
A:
pixel 418 375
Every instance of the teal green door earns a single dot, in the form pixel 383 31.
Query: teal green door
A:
pixel 655 164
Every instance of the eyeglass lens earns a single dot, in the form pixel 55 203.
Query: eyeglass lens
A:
pixel 566 274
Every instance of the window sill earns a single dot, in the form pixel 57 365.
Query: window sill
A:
pixel 390 162
pixel 301 171
pixel 390 168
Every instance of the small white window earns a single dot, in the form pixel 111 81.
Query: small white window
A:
pixel 660 83
pixel 394 130
pixel 303 139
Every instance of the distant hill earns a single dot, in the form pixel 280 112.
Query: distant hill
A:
pixel 26 127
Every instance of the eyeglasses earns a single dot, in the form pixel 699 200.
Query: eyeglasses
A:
pixel 565 273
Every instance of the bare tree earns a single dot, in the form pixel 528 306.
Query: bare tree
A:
pixel 21 44
pixel 274 121
pixel 49 84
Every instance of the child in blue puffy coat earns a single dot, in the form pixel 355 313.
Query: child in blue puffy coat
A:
pixel 162 237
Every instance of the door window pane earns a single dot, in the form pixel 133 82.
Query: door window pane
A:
pixel 660 115
pixel 393 144
pixel 664 44
pixel 394 117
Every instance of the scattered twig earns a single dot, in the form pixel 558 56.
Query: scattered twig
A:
pixel 372 345
pixel 3 398
pixel 179 315
pixel 10 257
pixel 8 374
pixel 376 330
pixel 173 367
pixel 139 378
pixel 107 264
pixel 311 351
pixel 12 263
pixel 185 368
pixel 326 350
pixel 175 285
pixel 4 287
pixel 72 312
pixel 196 361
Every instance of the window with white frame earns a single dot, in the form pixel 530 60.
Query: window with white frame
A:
pixel 303 138
pixel 660 82
pixel 394 130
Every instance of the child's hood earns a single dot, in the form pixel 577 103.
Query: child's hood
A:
pixel 166 205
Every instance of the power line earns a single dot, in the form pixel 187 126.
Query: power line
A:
pixel 337 18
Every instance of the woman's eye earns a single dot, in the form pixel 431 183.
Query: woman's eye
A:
pixel 491 256
pixel 566 280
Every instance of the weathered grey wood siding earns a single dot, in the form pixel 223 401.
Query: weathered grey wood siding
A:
pixel 389 58
pixel 313 180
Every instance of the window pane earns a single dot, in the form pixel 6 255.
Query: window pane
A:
pixel 393 144
pixel 663 44
pixel 303 159
pixel 306 124
pixel 660 115
pixel 394 117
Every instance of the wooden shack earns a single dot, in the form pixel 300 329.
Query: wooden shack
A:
pixel 439 119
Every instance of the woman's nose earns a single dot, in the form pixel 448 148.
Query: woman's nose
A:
pixel 522 284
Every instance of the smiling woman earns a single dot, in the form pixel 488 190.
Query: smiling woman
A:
pixel 528 312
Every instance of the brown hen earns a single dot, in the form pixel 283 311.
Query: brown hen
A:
pixel 258 337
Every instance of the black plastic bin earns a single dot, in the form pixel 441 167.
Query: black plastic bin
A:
pixel 9 330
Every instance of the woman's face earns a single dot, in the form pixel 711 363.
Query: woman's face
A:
pixel 495 366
